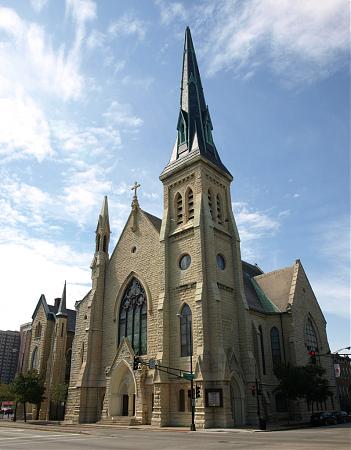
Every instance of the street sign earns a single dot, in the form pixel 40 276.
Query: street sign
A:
pixel 188 376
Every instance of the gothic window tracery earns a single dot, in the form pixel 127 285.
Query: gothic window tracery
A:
pixel 133 317
pixel 311 337
pixel 186 338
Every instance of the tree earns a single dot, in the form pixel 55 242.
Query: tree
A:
pixel 28 388
pixel 317 387
pixel 58 395
pixel 305 382
pixel 5 393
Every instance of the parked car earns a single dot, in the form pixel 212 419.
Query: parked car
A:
pixel 323 418
pixel 342 416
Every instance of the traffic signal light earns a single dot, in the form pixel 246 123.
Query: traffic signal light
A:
pixel 312 355
pixel 197 391
pixel 136 362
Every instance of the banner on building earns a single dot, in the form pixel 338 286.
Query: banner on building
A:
pixel 337 370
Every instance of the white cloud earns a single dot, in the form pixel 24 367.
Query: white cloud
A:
pixel 121 114
pixel 80 141
pixel 24 130
pixel 331 283
pixel 171 11
pixel 128 25
pixel 253 224
pixel 300 40
pixel 43 268
pixel 38 5
pixel 31 60
pixel 83 193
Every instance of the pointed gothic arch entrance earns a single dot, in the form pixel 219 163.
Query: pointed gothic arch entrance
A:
pixel 122 391
pixel 236 400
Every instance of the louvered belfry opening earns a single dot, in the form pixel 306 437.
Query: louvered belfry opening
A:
pixel 219 209
pixel 190 199
pixel 179 208
pixel 209 196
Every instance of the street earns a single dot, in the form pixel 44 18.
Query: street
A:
pixel 334 437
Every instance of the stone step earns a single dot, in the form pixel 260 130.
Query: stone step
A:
pixel 120 420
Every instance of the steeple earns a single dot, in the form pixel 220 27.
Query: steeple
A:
pixel 194 122
pixel 103 228
pixel 62 310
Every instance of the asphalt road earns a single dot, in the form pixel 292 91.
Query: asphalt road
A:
pixel 330 438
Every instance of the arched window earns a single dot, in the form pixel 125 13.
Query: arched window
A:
pixel 104 245
pixel 186 338
pixel 38 330
pixel 209 197
pixel 190 204
pixel 311 337
pixel 182 132
pixel 260 332
pixel 35 359
pixel 219 209
pixel 97 242
pixel 82 349
pixel 179 208
pixel 133 317
pixel 275 347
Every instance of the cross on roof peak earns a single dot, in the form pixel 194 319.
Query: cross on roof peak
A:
pixel 135 187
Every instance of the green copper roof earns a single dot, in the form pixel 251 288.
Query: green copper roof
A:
pixel 266 303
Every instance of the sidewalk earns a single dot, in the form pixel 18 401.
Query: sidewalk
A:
pixel 93 428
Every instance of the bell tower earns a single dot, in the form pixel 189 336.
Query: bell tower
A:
pixel 202 261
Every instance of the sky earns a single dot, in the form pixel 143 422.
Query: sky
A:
pixel 89 102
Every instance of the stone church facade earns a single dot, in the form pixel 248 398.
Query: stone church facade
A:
pixel 177 291
pixel 46 346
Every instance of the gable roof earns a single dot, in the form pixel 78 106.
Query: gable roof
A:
pixel 256 298
pixel 277 286
pixel 156 222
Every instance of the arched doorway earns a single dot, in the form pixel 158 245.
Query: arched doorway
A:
pixel 236 402
pixel 122 392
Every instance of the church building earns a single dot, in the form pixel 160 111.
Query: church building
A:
pixel 175 293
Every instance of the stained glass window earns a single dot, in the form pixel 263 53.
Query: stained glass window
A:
pixel 311 337
pixel 133 317
pixel 275 347
pixel 186 338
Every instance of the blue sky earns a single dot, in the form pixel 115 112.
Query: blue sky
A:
pixel 89 98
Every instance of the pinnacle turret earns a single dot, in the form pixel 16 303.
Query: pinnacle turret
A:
pixel 194 122
pixel 103 228
pixel 62 310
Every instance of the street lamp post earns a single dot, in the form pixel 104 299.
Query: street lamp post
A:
pixel 192 426
pixel 192 393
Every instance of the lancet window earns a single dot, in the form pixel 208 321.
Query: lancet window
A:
pixel 209 197
pixel 133 317
pixel 260 332
pixel 35 359
pixel 311 337
pixel 190 204
pixel 219 209
pixel 275 347
pixel 186 337
pixel 179 208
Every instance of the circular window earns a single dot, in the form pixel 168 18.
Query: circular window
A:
pixel 220 261
pixel 133 249
pixel 185 262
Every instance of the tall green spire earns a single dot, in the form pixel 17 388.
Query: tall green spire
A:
pixel 194 122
